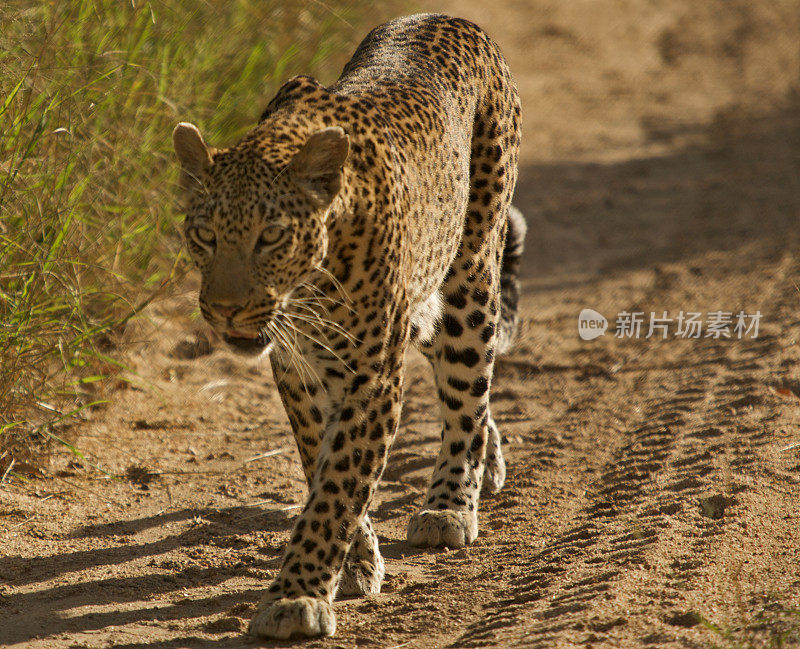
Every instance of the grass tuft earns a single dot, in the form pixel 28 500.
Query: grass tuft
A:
pixel 89 93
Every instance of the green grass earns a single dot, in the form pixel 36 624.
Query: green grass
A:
pixel 89 93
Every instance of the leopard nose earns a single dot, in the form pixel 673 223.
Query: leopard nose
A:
pixel 225 310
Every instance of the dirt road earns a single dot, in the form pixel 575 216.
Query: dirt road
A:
pixel 652 498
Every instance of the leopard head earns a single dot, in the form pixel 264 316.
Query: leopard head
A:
pixel 256 223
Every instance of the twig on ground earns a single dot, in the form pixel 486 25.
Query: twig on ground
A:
pixel 8 470
pixel 275 451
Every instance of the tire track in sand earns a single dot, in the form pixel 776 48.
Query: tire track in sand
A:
pixel 656 509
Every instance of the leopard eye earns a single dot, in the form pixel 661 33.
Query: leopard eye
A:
pixel 203 236
pixel 271 237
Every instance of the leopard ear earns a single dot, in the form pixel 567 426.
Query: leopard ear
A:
pixel 317 167
pixel 195 156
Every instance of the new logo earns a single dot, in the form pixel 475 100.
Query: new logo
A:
pixel 591 324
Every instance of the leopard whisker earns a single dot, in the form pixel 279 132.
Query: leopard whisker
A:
pixel 316 323
pixel 322 324
pixel 278 175
pixel 336 283
pixel 317 341
pixel 316 318
pixel 322 295
pixel 280 348
pixel 289 336
pixel 296 358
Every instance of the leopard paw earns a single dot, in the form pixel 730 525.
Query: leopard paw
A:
pixel 494 476
pixel 361 577
pixel 363 570
pixel 293 617
pixel 443 527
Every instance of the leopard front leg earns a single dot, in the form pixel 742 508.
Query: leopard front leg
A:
pixel 309 405
pixel 351 458
pixel 462 356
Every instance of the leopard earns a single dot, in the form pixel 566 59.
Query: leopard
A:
pixel 354 222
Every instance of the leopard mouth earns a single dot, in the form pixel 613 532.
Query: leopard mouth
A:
pixel 247 343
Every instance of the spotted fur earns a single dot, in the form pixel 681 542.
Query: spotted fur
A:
pixel 353 221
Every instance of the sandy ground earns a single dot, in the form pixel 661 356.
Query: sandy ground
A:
pixel 652 498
